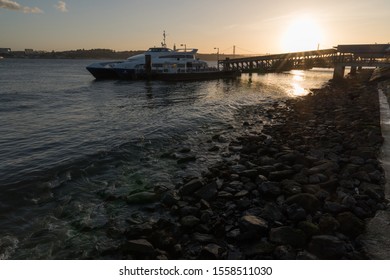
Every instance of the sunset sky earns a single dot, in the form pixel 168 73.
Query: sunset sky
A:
pixel 253 26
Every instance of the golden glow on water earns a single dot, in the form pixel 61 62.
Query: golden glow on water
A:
pixel 301 34
pixel 297 88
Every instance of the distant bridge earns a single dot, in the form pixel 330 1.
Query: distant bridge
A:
pixel 356 56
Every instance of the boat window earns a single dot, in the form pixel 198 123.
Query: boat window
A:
pixel 178 56
pixel 159 50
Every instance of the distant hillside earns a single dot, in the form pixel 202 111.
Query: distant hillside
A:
pixel 99 54
pixel 76 54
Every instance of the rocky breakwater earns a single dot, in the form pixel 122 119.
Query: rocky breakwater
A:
pixel 301 188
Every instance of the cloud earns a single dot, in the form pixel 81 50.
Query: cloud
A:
pixel 12 5
pixel 61 6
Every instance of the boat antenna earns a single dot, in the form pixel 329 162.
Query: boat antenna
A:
pixel 163 43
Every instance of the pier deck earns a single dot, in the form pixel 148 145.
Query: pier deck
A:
pixel 363 55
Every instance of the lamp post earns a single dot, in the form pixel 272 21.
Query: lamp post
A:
pixel 217 57
pixel 185 57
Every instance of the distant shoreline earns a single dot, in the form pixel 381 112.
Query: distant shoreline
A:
pixel 98 54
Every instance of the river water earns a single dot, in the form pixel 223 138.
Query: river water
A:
pixel 65 139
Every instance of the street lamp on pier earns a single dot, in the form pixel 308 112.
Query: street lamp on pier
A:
pixel 217 57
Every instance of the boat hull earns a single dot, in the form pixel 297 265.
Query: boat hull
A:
pixel 194 76
pixel 102 73
pixel 127 74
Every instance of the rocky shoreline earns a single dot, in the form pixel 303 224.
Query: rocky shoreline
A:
pixel 303 187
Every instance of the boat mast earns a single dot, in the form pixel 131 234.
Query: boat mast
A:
pixel 163 43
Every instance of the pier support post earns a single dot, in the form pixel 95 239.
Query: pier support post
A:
pixel 338 73
pixel 353 70
pixel 148 64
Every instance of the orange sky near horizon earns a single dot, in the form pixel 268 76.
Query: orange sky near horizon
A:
pixel 253 26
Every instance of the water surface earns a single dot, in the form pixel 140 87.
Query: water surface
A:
pixel 67 140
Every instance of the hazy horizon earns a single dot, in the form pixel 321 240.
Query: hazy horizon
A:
pixel 253 26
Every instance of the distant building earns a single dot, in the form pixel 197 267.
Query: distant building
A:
pixel 5 50
pixel 28 51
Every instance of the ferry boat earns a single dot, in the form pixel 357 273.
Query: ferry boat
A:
pixel 160 63
pixel 159 60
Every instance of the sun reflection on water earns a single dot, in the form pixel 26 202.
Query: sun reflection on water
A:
pixel 297 80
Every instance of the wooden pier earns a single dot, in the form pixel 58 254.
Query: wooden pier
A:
pixel 355 56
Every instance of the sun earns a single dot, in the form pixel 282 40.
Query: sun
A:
pixel 301 34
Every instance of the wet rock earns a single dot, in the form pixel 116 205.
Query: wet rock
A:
pixel 280 175
pixel 287 235
pixel 251 173
pixel 190 187
pixel 241 193
pixel 296 213
pixel 170 198
pixel 253 223
pixel 304 255
pixel 234 233
pixel 259 248
pixel 270 188
pixel 208 192
pixel 189 210
pixel 334 207
pixel 252 227
pixel 203 237
pixel 328 224
pixel 238 168
pixel 349 201
pixel 323 167
pixel 327 247
pixel 308 228
pixel 189 221
pixel 272 213
pixel 284 252
pixel 142 197
pixel 211 251
pixel 137 230
pixel 330 185
pixel 224 194
pixel 139 247
pixel 291 187
pixel 307 201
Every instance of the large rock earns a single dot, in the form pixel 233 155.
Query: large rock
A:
pixel 207 192
pixel 327 247
pixel 170 198
pixel 139 247
pixel 307 201
pixel 251 227
pixel 211 251
pixel 191 187
pixel 189 221
pixel 287 236
pixel 142 197
pixel 350 224
pixel 323 167
pixel 280 175
pixel 260 248
pixel 270 188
